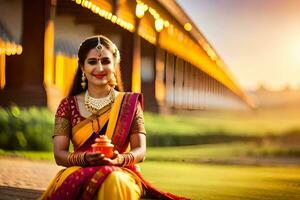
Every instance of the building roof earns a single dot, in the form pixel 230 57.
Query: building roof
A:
pixel 165 24
pixel 211 63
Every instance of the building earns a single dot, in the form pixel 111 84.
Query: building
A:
pixel 163 54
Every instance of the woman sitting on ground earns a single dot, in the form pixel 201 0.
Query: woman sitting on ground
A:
pixel 95 107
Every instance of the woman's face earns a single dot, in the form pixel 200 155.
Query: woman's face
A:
pixel 98 67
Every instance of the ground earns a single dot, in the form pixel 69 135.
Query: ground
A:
pixel 24 179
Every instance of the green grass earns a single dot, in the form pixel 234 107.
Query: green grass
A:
pixel 220 152
pixel 212 182
pixel 253 123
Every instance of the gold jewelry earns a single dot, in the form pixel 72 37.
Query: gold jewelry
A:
pixel 94 105
pixel 99 46
pixel 76 159
pixel 112 81
pixel 83 83
pixel 128 159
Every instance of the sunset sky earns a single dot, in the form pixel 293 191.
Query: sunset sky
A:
pixel 259 40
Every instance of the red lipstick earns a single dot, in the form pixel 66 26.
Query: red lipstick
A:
pixel 99 76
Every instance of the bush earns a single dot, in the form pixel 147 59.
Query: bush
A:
pixel 26 129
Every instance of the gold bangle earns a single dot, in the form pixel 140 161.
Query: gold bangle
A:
pixel 76 159
pixel 128 159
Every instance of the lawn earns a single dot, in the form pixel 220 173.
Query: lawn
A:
pixel 248 123
pixel 222 153
pixel 219 182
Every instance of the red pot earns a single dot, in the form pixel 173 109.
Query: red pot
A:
pixel 103 145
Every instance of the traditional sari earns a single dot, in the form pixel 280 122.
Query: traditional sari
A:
pixel 103 182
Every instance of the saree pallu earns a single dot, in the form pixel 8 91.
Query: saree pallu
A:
pixel 105 182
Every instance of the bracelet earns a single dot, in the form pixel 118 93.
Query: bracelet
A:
pixel 128 159
pixel 76 159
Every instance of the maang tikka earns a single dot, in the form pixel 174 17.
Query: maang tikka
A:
pixel 99 46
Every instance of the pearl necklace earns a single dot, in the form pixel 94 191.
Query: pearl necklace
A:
pixel 94 105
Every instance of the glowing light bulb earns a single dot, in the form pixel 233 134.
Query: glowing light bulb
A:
pixel 159 24
pixel 188 26
pixel 139 10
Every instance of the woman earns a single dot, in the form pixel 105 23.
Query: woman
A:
pixel 95 107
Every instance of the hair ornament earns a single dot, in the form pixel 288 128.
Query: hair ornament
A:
pixel 99 46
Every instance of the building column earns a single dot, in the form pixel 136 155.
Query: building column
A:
pixel 25 73
pixel 126 60
pixel 160 86
pixel 2 70
pixel 136 62
pixel 49 54
pixel 131 60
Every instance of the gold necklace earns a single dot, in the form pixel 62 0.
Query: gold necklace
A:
pixel 94 105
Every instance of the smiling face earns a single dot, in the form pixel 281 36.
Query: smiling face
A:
pixel 98 68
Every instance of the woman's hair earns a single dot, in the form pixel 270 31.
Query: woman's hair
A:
pixel 84 48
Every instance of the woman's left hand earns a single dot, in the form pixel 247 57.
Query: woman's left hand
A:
pixel 117 159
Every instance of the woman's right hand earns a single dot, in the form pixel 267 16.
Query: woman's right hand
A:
pixel 95 159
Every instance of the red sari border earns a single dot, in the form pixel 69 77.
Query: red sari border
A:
pixel 126 115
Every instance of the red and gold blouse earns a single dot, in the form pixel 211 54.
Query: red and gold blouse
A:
pixel 67 116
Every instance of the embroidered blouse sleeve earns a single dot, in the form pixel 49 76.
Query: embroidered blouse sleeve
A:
pixel 138 123
pixel 62 125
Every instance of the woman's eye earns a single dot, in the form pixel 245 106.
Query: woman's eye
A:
pixel 93 62
pixel 105 62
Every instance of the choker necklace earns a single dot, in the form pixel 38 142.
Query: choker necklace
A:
pixel 94 105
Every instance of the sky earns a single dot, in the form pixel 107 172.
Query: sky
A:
pixel 259 40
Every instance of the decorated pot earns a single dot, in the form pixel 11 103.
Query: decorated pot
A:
pixel 103 145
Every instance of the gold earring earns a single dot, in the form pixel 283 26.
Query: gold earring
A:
pixel 112 80
pixel 83 82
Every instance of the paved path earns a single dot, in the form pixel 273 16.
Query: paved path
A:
pixel 24 179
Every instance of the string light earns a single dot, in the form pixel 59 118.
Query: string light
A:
pixel 188 26
pixel 159 24
pixel 114 19
pixel 10 49
pixel 166 23
pixel 19 50
pixel 89 5
pixel 139 10
pixel 105 14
